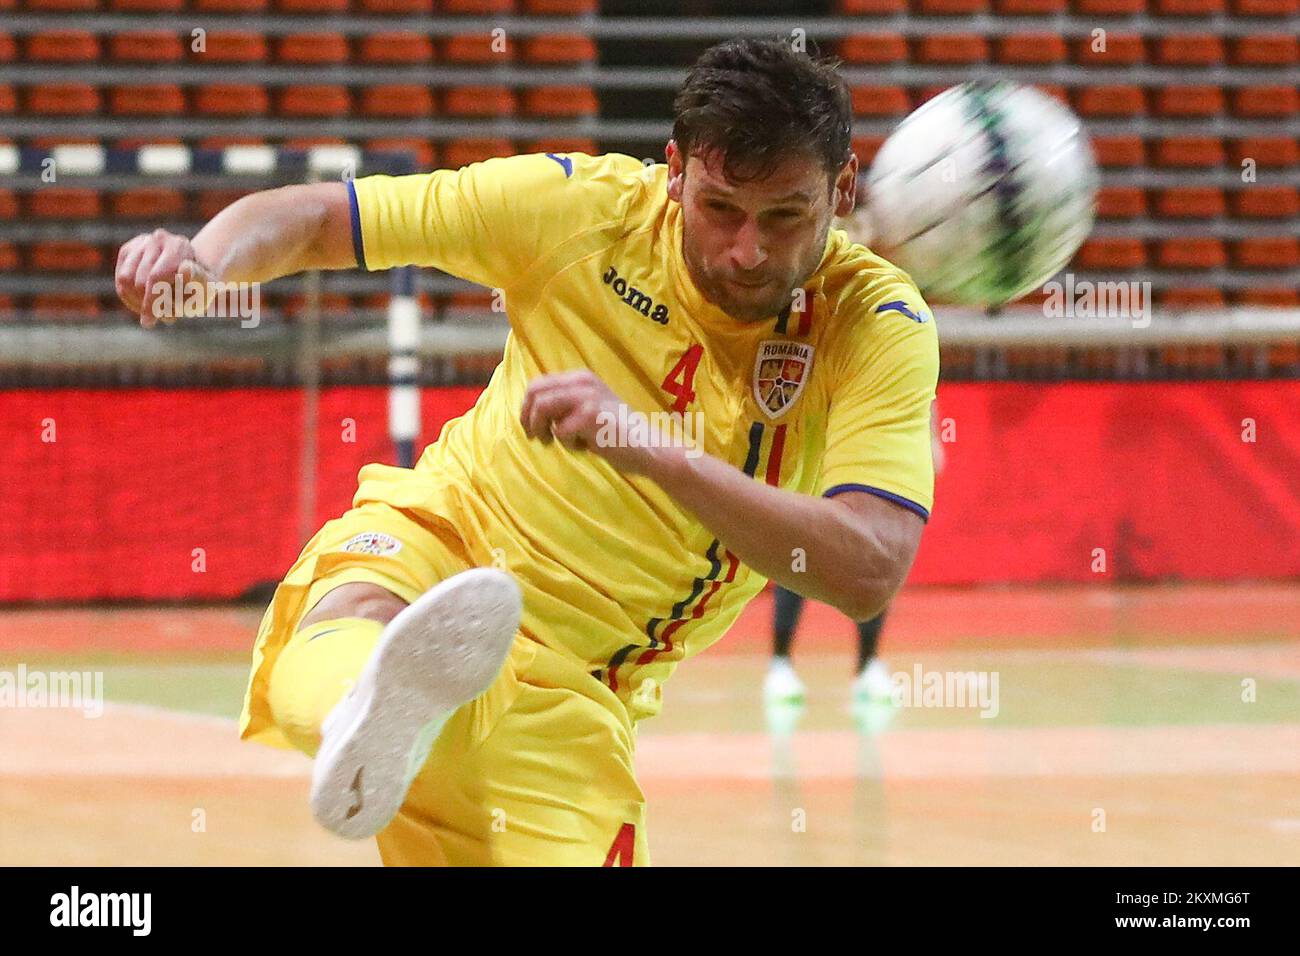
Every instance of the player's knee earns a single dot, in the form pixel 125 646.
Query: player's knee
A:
pixel 355 599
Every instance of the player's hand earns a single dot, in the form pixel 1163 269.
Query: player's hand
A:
pixel 581 412
pixel 151 268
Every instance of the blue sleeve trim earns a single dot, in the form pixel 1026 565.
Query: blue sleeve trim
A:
pixel 907 503
pixel 357 248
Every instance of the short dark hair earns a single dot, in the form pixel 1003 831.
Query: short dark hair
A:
pixel 755 102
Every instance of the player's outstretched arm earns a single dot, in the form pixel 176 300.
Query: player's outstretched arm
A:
pixel 263 236
pixel 857 547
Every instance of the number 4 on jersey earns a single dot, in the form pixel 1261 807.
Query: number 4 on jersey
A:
pixel 680 380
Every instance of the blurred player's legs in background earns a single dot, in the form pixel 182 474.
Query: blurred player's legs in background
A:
pixel 783 685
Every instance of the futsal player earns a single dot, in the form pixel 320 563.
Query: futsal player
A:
pixel 468 650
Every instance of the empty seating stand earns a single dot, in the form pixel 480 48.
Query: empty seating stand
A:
pixel 1170 136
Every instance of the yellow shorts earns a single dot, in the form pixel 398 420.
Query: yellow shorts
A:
pixel 537 770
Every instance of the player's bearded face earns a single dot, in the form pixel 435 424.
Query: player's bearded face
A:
pixel 749 245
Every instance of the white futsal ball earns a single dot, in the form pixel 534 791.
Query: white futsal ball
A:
pixel 984 193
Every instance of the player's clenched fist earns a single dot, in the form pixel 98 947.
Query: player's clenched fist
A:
pixel 159 276
pixel 582 413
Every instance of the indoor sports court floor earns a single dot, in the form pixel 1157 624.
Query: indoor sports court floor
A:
pixel 1121 737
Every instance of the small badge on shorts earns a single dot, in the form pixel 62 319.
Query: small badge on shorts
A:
pixel 373 542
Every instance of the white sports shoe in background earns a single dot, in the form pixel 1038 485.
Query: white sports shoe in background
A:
pixel 874 683
pixel 436 655
pixel 782 684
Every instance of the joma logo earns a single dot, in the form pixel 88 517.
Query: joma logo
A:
pixel 635 298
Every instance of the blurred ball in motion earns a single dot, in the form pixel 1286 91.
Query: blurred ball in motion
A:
pixel 983 193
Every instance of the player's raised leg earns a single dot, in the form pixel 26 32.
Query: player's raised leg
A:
pixel 431 658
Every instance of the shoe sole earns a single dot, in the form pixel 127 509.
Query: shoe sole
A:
pixel 436 655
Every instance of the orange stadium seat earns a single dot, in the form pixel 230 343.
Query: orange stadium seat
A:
pixel 880 101
pixel 478 48
pixel 866 147
pixel 230 6
pixel 66 305
pixel 1187 101
pixel 63 46
pixel 1189 152
pixel 477 6
pixel 146 6
pixel 872 8
pixel 407 100
pixel 1266 202
pixel 1267 252
pixel 1029 8
pixel 63 6
pixel 1118 152
pixel 542 8
pixel 8 99
pixel 8 204
pixel 1190 202
pixel 396 7
pixel 949 8
pixel 564 48
pixel 1194 297
pixel 314 100
pixel 1121 202
pixel 424 153
pixel 1188 8
pixel 1268 49
pixel 147 202
pixel 8 48
pixel 1110 101
pixel 65 256
pixel 212 201
pixel 1188 49
pixel 1031 49
pixel 1110 8
pixel 311 6
pixel 1191 253
pixel 232 99
pixel 63 202
pixel 873 48
pixel 1113 252
pixel 1266 101
pixel 10 261
pixel 132 143
pixel 155 99
pixel 462 152
pixel 63 99
pixel 1272 298
pixel 560 101
pixel 954 48
pixel 1265 8
pixel 152 46
pixel 479 101
pixel 312 48
pixel 395 48
pixel 1120 49
pixel 1269 152
pixel 234 48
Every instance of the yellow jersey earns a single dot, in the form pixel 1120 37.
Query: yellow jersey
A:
pixel 831 395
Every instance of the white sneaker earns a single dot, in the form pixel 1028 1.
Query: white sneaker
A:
pixel 782 684
pixel 437 654
pixel 874 683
